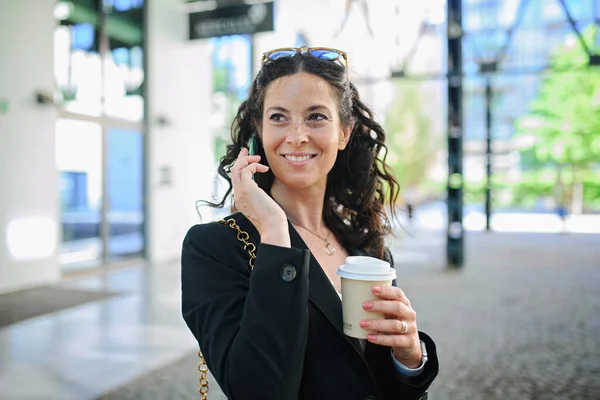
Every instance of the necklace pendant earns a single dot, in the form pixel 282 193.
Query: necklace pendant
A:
pixel 330 249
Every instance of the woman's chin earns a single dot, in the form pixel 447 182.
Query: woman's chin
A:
pixel 298 182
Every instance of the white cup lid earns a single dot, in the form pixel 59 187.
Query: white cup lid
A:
pixel 366 269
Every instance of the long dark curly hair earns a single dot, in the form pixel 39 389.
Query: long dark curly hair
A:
pixel 360 187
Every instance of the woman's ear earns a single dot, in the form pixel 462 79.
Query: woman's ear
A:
pixel 345 136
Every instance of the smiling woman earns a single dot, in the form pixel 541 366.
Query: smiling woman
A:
pixel 359 182
pixel 301 132
pixel 264 303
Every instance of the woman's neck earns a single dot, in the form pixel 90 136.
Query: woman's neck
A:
pixel 303 207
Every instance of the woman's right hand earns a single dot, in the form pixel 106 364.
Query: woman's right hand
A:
pixel 264 213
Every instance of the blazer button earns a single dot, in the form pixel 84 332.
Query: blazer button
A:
pixel 288 272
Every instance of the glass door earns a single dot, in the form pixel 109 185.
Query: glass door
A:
pixel 102 192
pixel 100 75
pixel 79 162
pixel 125 193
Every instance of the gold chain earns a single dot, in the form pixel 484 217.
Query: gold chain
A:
pixel 243 237
pixel 203 368
pixel 328 245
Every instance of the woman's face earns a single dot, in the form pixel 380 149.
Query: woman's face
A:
pixel 301 130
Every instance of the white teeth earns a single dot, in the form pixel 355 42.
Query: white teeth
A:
pixel 295 158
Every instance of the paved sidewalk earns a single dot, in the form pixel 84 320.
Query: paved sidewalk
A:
pixel 520 321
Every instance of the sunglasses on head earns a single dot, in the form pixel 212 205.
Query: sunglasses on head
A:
pixel 323 53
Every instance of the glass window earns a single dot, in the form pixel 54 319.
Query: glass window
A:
pixel 124 62
pixel 77 65
pixel 582 10
pixel 125 154
pixel 552 11
pixel 79 162
pixel 100 74
pixel 232 75
pixel 85 69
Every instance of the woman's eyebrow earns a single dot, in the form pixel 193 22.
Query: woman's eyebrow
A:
pixel 277 108
pixel 317 107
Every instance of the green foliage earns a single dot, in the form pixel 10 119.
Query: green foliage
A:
pixel 228 104
pixel 412 144
pixel 564 118
pixel 562 125
pixel 535 185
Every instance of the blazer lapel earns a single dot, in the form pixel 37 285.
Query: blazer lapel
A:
pixel 322 293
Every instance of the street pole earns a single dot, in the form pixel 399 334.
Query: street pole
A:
pixel 488 151
pixel 455 229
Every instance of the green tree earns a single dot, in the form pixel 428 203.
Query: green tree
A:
pixel 412 144
pixel 561 130
pixel 226 101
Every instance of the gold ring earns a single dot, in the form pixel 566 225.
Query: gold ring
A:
pixel 404 326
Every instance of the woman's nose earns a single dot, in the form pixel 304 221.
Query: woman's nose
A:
pixel 297 135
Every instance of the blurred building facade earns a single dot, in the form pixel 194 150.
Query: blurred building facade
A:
pixel 113 120
pixel 530 31
pixel 111 116
pixel 103 141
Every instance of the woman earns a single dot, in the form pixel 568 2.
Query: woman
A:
pixel 269 322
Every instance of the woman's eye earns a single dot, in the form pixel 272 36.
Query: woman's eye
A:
pixel 317 117
pixel 277 117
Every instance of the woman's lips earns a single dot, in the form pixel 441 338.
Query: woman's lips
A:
pixel 298 158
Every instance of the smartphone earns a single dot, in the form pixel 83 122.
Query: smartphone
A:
pixel 252 150
pixel 252 145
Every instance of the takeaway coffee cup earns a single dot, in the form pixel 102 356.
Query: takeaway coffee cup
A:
pixel 359 274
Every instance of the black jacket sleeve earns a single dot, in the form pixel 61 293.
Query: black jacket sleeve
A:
pixel 391 382
pixel 251 327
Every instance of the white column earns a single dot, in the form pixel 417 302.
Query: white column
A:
pixel 29 185
pixel 180 87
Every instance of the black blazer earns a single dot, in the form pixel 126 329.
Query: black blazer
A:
pixel 276 333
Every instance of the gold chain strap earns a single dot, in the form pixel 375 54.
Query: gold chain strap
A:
pixel 243 237
pixel 203 368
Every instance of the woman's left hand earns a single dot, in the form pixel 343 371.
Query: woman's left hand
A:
pixel 399 328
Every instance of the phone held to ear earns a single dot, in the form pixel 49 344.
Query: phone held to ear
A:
pixel 252 145
pixel 252 149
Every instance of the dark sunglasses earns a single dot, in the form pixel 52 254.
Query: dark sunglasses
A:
pixel 323 53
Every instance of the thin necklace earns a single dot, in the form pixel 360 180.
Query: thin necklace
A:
pixel 328 245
